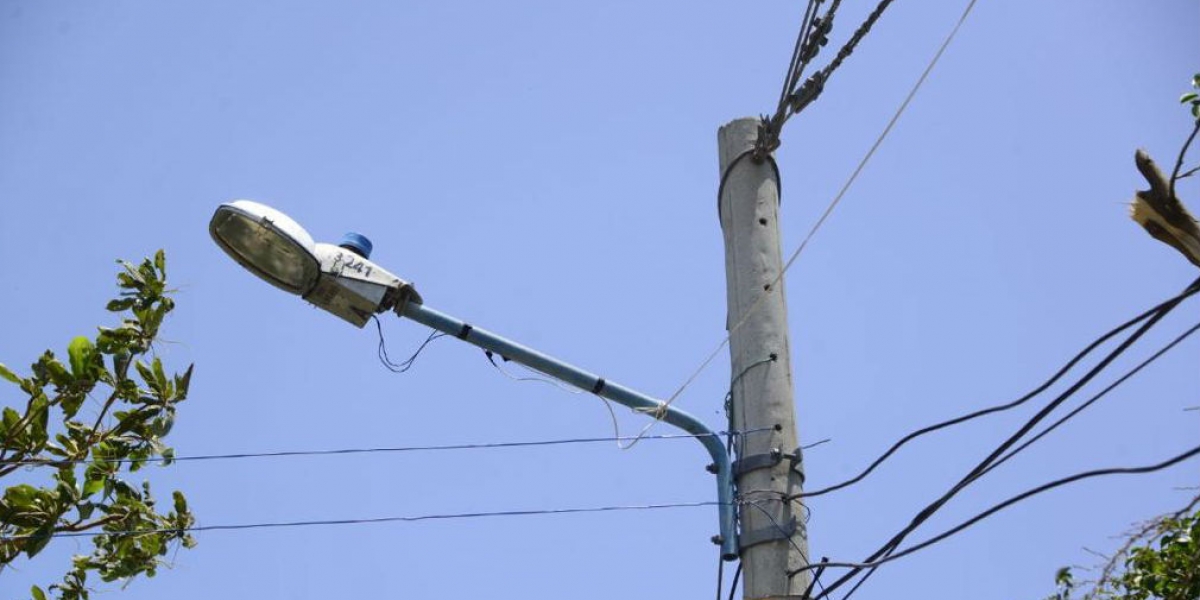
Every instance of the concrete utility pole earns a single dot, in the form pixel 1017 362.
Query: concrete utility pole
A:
pixel 774 539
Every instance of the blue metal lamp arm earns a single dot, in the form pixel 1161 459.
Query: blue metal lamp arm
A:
pixel 606 389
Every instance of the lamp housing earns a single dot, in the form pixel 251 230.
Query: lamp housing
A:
pixel 268 243
pixel 278 250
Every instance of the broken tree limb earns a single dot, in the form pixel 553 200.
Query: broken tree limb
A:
pixel 1161 214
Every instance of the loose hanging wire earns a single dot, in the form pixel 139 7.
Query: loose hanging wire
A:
pixel 566 387
pixel 536 377
pixel 407 364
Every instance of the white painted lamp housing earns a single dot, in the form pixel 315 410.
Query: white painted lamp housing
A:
pixel 339 279
pixel 267 243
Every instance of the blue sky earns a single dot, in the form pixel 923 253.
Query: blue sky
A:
pixel 548 170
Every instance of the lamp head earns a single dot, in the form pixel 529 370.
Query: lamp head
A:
pixel 268 243
pixel 338 279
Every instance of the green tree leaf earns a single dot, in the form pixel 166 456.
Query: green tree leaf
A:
pixel 38 540
pixel 160 263
pixel 6 373
pixel 80 352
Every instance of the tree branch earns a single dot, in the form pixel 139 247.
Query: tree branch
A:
pixel 1182 153
pixel 80 525
pixel 112 398
pixel 1161 214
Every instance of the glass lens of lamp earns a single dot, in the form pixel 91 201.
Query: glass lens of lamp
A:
pixel 265 249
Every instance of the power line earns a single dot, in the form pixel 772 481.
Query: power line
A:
pixel 1096 397
pixel 392 449
pixel 379 520
pixel 1009 502
pixel 806 48
pixel 773 286
pixel 1191 290
pixel 890 546
pixel 882 135
pixel 1015 403
pixel 812 88
pixel 797 64
pixel 1074 412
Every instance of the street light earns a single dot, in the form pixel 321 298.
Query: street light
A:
pixel 342 280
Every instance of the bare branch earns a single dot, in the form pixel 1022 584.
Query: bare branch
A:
pixel 1182 153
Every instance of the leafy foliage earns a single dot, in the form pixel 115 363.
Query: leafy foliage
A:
pixel 1172 570
pixel 82 460
pixel 1193 97
pixel 1165 567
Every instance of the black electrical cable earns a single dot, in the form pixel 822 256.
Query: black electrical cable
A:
pixel 810 13
pixel 800 98
pixel 813 35
pixel 737 575
pixel 890 546
pixel 377 450
pixel 1011 501
pixel 1128 374
pixel 1074 412
pixel 1050 428
pixel 720 575
pixel 378 520
pixel 1191 290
